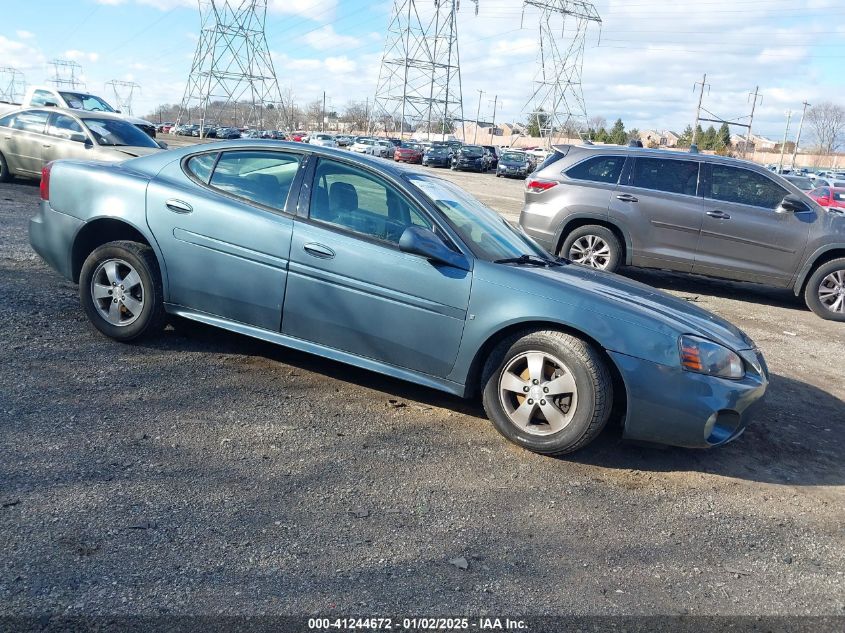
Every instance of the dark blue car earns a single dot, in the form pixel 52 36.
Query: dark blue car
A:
pixel 396 271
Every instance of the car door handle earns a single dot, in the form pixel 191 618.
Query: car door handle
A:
pixel 720 215
pixel 46 146
pixel 177 206
pixel 318 250
pixel 627 197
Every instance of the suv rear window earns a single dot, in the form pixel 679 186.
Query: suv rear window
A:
pixel 596 169
pixel 666 174
pixel 550 160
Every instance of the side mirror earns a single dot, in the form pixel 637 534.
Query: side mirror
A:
pixel 792 203
pixel 78 137
pixel 422 241
pixel 162 144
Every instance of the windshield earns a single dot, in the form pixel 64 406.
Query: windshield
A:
pixel 117 133
pixel 486 232
pixel 805 184
pixel 409 146
pixel 514 157
pixel 839 196
pixel 81 101
pixel 472 151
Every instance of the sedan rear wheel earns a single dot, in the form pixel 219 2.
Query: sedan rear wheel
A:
pixel 5 174
pixel 120 290
pixel 547 391
pixel 594 246
pixel 825 290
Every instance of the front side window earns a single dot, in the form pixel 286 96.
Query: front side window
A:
pixel 743 186
pixel 31 121
pixel 597 169
pixel 41 98
pixel 82 101
pixel 665 174
pixel 258 176
pixel 359 201
pixel 63 126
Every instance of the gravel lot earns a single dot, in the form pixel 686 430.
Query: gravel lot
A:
pixel 203 472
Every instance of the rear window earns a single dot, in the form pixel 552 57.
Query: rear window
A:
pixel 839 195
pixel 550 160
pixel 665 174
pixel 596 169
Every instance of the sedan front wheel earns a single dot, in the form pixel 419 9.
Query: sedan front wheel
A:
pixel 547 391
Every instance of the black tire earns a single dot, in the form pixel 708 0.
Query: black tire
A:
pixel 813 287
pixel 614 257
pixel 142 258
pixel 5 174
pixel 592 379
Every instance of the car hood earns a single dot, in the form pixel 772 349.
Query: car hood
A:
pixel 134 152
pixel 135 120
pixel 683 317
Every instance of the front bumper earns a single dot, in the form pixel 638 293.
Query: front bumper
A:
pixel 667 405
pixel 51 235
pixel 436 162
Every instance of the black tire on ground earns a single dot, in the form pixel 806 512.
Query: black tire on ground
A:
pixel 142 258
pixel 814 284
pixel 5 174
pixel 614 258
pixel 592 379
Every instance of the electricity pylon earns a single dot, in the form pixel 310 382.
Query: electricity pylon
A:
pixel 12 85
pixel 232 76
pixel 123 92
pixel 557 103
pixel 419 84
pixel 66 74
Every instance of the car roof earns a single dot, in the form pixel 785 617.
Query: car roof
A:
pixel 80 114
pixel 664 153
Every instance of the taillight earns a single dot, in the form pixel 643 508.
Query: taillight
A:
pixel 535 185
pixel 45 181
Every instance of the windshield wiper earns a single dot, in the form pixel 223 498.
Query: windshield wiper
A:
pixel 532 260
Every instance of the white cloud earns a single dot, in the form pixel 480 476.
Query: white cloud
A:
pixel 326 38
pixel 77 55
pixel 25 35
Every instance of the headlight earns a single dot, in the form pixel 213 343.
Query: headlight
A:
pixel 706 357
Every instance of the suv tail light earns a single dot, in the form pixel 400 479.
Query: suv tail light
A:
pixel 45 181
pixel 536 185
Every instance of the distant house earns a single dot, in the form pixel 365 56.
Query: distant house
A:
pixel 654 138
pixel 758 143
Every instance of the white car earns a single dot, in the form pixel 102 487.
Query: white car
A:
pixel 323 140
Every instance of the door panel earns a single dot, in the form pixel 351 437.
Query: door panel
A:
pixel 58 144
pixel 659 206
pixel 352 289
pixel 374 301
pixel 750 241
pixel 24 142
pixel 224 255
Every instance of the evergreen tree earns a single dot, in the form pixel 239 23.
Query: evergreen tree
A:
pixel 723 138
pixel 617 133
pixel 685 139
pixel 537 122
pixel 708 139
pixel 602 136
pixel 633 134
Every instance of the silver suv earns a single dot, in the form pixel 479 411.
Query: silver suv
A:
pixel 608 206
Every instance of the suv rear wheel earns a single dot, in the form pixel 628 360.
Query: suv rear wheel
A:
pixel 825 290
pixel 593 245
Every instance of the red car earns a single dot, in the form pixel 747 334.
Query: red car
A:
pixel 830 197
pixel 408 153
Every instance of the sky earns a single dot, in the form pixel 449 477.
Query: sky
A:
pixel 640 65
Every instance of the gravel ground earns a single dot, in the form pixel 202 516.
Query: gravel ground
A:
pixel 202 472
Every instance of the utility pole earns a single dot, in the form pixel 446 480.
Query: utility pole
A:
pixel 367 113
pixel 493 129
pixel 477 114
pixel 323 116
pixel 798 137
pixel 783 145
pixel 703 83
pixel 751 119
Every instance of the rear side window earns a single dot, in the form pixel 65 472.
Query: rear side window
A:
pixel 551 159
pixel 200 166
pixel 31 121
pixel 662 174
pixel 743 186
pixel 262 177
pixel 596 169
pixel 41 98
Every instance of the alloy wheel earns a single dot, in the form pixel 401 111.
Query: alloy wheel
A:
pixel 590 250
pixel 832 291
pixel 538 393
pixel 118 292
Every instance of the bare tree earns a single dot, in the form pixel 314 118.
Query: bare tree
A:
pixel 355 114
pixel 827 121
pixel 597 123
pixel 290 112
